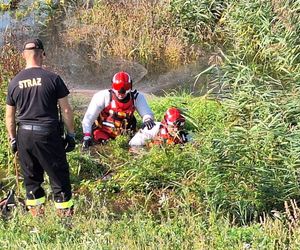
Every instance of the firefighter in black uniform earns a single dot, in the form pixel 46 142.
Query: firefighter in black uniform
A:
pixel 32 123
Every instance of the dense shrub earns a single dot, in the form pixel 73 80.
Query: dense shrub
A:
pixel 10 65
pixel 197 18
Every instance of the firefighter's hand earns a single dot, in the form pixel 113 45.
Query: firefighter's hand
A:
pixel 13 145
pixel 149 123
pixel 87 142
pixel 70 142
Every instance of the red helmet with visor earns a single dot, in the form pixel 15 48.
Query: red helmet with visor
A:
pixel 121 82
pixel 174 118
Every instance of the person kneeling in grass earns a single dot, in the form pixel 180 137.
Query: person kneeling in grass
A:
pixel 169 131
pixel 111 112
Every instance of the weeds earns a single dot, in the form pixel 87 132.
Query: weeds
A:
pixel 145 31
pixel 236 186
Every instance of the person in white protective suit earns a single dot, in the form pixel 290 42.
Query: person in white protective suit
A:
pixel 111 111
pixel 169 131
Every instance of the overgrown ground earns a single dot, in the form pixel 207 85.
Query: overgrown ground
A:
pixel 236 186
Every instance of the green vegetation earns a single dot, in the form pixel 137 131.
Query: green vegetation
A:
pixel 8 5
pixel 148 31
pixel 235 186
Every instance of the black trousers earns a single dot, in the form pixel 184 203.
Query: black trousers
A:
pixel 39 152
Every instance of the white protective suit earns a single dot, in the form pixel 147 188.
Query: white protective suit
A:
pixel 102 99
pixel 143 135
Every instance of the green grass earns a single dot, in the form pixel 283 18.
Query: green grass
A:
pixel 97 228
pixel 235 186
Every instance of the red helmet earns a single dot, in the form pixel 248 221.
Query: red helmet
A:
pixel 121 82
pixel 174 118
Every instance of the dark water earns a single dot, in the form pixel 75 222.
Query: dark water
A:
pixel 83 75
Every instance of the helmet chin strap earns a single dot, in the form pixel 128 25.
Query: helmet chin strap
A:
pixel 174 132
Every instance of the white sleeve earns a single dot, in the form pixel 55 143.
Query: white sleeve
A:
pixel 99 101
pixel 142 107
pixel 143 135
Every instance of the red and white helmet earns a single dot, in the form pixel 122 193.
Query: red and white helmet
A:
pixel 121 83
pixel 173 117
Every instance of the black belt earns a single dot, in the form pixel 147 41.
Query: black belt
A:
pixel 35 128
